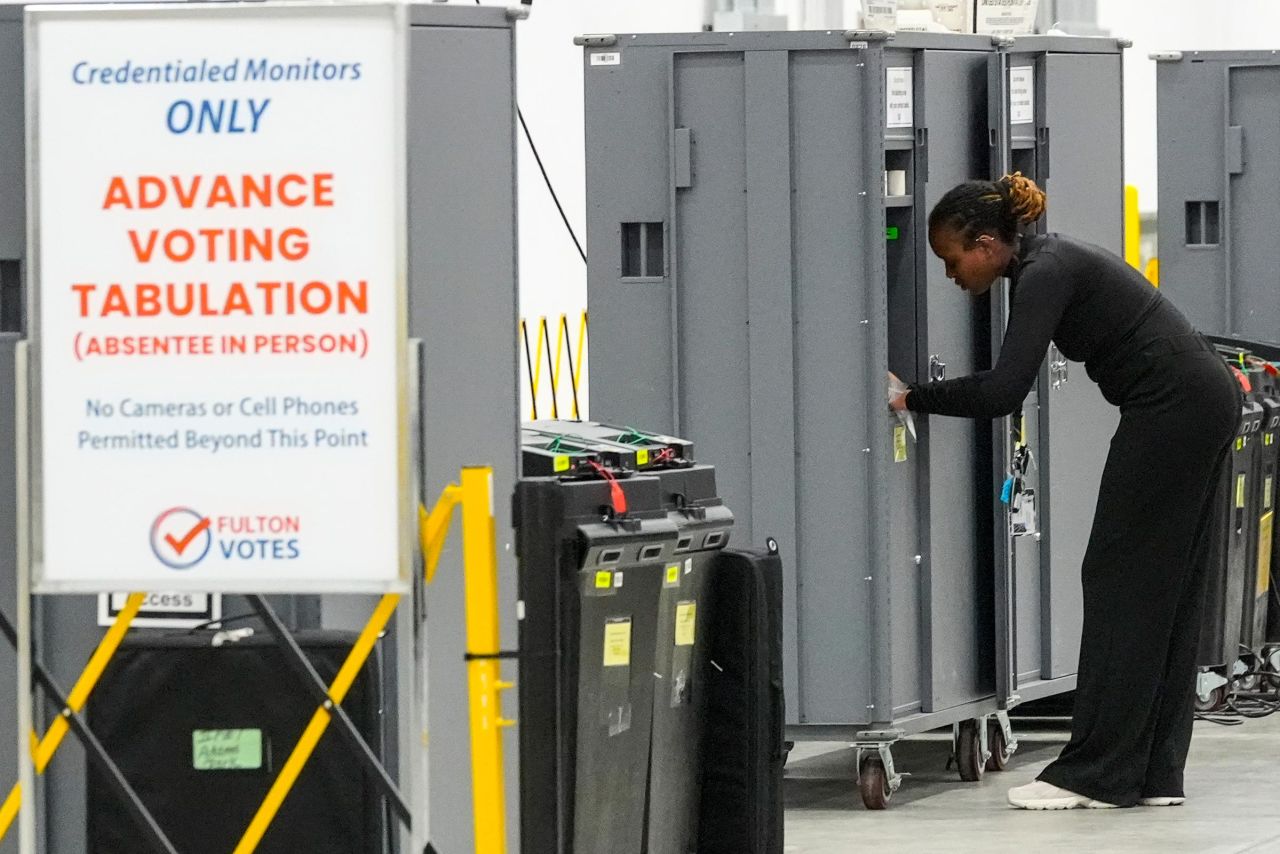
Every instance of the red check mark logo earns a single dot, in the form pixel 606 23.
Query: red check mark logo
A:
pixel 180 546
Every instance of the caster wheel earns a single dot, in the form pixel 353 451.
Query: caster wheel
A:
pixel 1271 664
pixel 1000 754
pixel 969 752
pixel 873 783
pixel 1217 699
pixel 1250 684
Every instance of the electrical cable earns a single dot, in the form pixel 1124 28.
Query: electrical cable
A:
pixel 1241 705
pixel 236 618
pixel 616 495
pixel 555 198
pixel 545 177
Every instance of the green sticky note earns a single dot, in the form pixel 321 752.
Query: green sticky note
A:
pixel 891 233
pixel 226 749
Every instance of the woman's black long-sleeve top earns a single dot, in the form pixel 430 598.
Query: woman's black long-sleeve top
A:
pixel 1087 301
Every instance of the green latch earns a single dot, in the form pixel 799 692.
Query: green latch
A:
pixel 891 233
pixel 634 437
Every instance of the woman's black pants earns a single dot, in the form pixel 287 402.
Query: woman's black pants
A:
pixel 1144 576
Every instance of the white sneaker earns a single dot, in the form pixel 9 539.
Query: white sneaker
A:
pixel 1046 796
pixel 1162 802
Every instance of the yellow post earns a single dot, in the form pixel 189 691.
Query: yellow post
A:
pixel 544 336
pixel 480 554
pixel 561 343
pixel 319 723
pixel 528 362
pixel 1153 272
pixel 1132 228
pixel 577 366
pixel 42 750
pixel 433 526
pixel 537 365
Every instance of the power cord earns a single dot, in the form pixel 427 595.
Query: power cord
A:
pixel 537 157
pixel 543 169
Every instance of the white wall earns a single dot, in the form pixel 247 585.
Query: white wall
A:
pixel 1175 25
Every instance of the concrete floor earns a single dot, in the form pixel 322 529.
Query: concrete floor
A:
pixel 1233 806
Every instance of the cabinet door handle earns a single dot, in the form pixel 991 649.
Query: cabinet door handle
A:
pixel 1058 370
pixel 937 369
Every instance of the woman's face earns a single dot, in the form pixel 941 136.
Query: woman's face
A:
pixel 974 265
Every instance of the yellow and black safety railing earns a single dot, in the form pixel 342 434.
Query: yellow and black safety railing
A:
pixel 566 350
pixel 474 495
pixel 70 720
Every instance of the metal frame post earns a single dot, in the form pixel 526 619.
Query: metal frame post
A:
pixel 26 768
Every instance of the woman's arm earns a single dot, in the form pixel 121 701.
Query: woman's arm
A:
pixel 1042 295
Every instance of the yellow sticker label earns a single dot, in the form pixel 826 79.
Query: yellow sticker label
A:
pixel 1267 492
pixel 673 574
pixel 899 444
pixel 1022 430
pixel 1240 444
pixel 1266 528
pixel 562 463
pixel 686 623
pixel 1240 492
pixel 642 457
pixel 604 580
pixel 1268 439
pixel 617 643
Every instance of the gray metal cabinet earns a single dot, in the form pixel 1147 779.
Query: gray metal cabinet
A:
pixel 756 263
pixel 1064 128
pixel 750 282
pixel 1218 143
pixel 463 305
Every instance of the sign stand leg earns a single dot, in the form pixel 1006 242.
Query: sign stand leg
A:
pixel 26 716
pixel 413 737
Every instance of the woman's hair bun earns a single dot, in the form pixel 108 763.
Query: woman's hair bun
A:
pixel 1026 201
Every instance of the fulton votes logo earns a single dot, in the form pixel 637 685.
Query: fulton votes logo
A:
pixel 182 537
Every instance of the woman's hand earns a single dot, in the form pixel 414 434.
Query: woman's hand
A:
pixel 897 393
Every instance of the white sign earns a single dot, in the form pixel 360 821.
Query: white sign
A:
pixel 1022 95
pixel 219 333
pixel 899 98
pixel 881 15
pixel 955 15
pixel 1006 17
pixel 612 58
pixel 173 610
